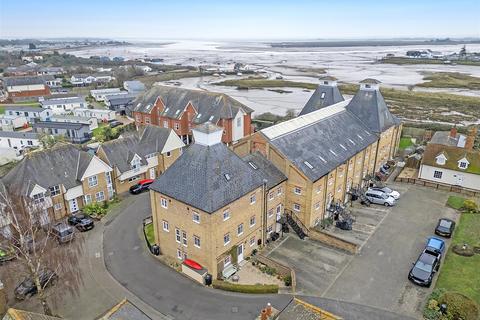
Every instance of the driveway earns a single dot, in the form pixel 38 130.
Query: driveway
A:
pixel 378 275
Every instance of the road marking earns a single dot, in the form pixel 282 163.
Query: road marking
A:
pixel 234 309
pixel 136 248
pixel 98 255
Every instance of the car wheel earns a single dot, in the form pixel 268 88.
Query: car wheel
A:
pixel 386 204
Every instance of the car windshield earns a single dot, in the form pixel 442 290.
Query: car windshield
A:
pixel 65 232
pixel 423 266
pixel 445 223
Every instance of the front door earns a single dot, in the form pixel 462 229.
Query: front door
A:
pixel 240 253
pixel 73 205
pixel 152 173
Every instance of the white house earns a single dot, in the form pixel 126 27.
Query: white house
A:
pixel 92 121
pixel 82 79
pixel 18 140
pixel 12 122
pixel 30 113
pixel 100 114
pixel 450 159
pixel 100 94
pixel 144 68
pixel 64 105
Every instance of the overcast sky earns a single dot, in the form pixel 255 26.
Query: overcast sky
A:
pixel 259 19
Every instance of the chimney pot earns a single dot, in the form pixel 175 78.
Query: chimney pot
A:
pixel 263 314
pixel 453 132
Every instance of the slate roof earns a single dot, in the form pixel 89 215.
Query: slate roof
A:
pixel 324 144
pixel 62 164
pixel 331 95
pixel 443 137
pixel 120 152
pixel 120 99
pixel 18 135
pixel 370 107
pixel 134 85
pixel 266 169
pixel 60 125
pixel 125 310
pixel 202 172
pixel 23 108
pixel 50 102
pixel 210 106
pixel 21 81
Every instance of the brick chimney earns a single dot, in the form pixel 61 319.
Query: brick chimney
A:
pixel 453 132
pixel 472 134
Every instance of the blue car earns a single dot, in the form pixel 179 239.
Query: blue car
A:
pixel 435 245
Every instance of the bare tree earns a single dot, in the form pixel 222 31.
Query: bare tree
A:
pixel 30 238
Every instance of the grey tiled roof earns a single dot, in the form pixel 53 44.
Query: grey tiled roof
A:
pixel 120 152
pixel 19 81
pixel 19 135
pixel 25 108
pixel 59 125
pixel 265 168
pixel 370 107
pixel 320 144
pixel 331 95
pixel 62 164
pixel 443 137
pixel 199 177
pixel 210 106
pixel 55 101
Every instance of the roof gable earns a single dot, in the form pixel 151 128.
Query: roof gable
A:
pixel 95 166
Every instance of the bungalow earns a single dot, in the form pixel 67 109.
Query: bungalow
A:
pixel 82 79
pixel 23 70
pixel 19 141
pixel 32 114
pixel 52 71
pixel 25 88
pixel 183 109
pixel 12 122
pixel 121 103
pixel 73 132
pixel 62 180
pixel 133 86
pixel 100 94
pixel 92 122
pixel 100 114
pixel 103 78
pixel 143 155
pixel 450 159
pixel 63 105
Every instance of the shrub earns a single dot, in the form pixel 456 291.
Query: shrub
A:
pixel 96 209
pixel 455 202
pixel 459 306
pixel 470 206
pixel 432 309
pixel 245 288
pixel 463 250
pixel 288 281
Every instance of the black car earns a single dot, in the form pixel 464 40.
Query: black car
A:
pixel 445 227
pixel 81 222
pixel 115 123
pixel 424 268
pixel 28 288
pixel 141 186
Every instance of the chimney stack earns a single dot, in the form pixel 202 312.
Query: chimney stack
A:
pixel 472 135
pixel 263 314
pixel 453 132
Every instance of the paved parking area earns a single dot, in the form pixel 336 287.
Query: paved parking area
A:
pixel 392 239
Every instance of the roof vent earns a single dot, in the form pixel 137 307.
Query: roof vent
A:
pixel 333 152
pixel 359 136
pixel 227 176
pixel 199 115
pixel 252 165
pixel 308 164
pixel 321 158
pixel 177 112
pixel 343 147
pixel 211 118
pixel 351 141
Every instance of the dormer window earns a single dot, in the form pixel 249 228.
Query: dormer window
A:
pixel 136 163
pixel 441 159
pixel 322 96
pixel 463 163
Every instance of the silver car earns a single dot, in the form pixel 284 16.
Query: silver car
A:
pixel 379 197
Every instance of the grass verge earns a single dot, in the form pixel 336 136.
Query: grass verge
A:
pixel 459 273
pixel 450 80
pixel 455 202
pixel 149 233
pixel 245 288
pixel 405 143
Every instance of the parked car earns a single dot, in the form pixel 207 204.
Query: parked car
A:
pixel 445 227
pixel 394 194
pixel 435 245
pixel 115 123
pixel 423 269
pixel 81 222
pixel 141 186
pixel 63 232
pixel 379 197
pixel 28 288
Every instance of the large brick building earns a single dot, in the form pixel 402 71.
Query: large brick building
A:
pixel 25 88
pixel 183 109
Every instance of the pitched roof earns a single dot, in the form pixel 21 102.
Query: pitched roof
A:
pixel 18 135
pixel 265 168
pixel 210 106
pixel 320 141
pixel 62 164
pixel 211 177
pixel 453 155
pixel 323 96
pixel 444 137
pixel 125 310
pixel 60 125
pixel 55 101
pixel 370 107
pixel 120 152
pixel 25 108
pixel 22 81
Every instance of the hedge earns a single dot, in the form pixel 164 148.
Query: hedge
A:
pixel 245 288
pixel 459 306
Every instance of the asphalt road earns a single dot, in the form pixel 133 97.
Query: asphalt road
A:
pixel 172 294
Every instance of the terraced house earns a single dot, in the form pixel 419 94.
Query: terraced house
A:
pixel 324 153
pixel 143 155
pixel 63 179
pixel 184 109
pixel 213 206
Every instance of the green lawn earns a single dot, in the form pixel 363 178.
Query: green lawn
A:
pixel 456 202
pixel 460 273
pixel 450 80
pixel 149 233
pixel 100 133
pixel 405 143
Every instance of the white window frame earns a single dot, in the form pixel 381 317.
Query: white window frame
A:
pixel 179 254
pixel 296 207
pixel 254 221
pixel 87 198
pixel 279 209
pixel 57 206
pixel 227 261
pixel 226 215
pixel 226 239
pixel 279 191
pixel 98 197
pixel 184 238
pixel 270 229
pixel 297 190
pixel 462 165
pixel 195 240
pixel 164 203
pixel 165 226
pixel 252 241
pixel 54 191
pixel 270 213
pixel 253 198
pixel 194 215
pixel 240 229
pixel 271 196
pixel 92 181
pixel 178 235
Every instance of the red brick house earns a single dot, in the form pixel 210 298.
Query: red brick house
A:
pixel 25 88
pixel 183 109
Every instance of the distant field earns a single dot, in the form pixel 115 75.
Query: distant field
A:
pixel 149 80
pixel 435 107
pixel 404 60
pixel 450 80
